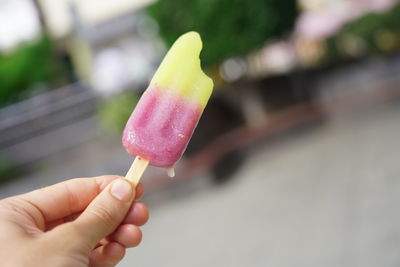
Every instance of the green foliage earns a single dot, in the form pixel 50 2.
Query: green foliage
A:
pixel 115 112
pixel 228 27
pixel 28 65
pixel 371 34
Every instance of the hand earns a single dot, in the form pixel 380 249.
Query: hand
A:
pixel 80 222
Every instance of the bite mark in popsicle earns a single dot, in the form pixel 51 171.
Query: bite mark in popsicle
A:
pixel 165 117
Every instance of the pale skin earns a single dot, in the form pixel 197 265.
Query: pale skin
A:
pixel 79 222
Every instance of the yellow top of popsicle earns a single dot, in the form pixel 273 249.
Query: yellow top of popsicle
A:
pixel 181 71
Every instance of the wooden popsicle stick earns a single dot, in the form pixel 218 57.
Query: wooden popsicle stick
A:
pixel 136 170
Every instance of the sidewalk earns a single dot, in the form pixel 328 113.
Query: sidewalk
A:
pixel 328 197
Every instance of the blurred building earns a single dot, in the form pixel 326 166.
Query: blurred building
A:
pixel 113 46
pixel 60 22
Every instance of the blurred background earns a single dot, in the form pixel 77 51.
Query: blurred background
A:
pixel 295 160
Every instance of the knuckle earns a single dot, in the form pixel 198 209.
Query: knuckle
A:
pixel 103 216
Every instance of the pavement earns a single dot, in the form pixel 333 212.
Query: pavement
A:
pixel 328 196
pixel 325 196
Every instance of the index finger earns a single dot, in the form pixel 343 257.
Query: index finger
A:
pixel 66 198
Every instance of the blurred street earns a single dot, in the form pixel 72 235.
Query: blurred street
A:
pixel 326 197
pixel 320 196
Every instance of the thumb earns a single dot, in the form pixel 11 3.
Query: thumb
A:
pixel 103 215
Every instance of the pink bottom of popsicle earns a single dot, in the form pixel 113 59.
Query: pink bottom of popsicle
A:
pixel 161 126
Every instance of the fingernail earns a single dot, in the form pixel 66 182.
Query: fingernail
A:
pixel 121 190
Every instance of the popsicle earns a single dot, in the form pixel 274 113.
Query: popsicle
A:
pixel 160 127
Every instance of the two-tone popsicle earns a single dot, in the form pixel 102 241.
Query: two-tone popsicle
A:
pixel 162 123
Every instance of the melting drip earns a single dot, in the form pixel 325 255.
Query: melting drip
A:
pixel 171 172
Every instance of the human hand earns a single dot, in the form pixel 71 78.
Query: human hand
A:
pixel 79 222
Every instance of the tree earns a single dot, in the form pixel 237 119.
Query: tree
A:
pixel 369 35
pixel 228 27
pixel 29 64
